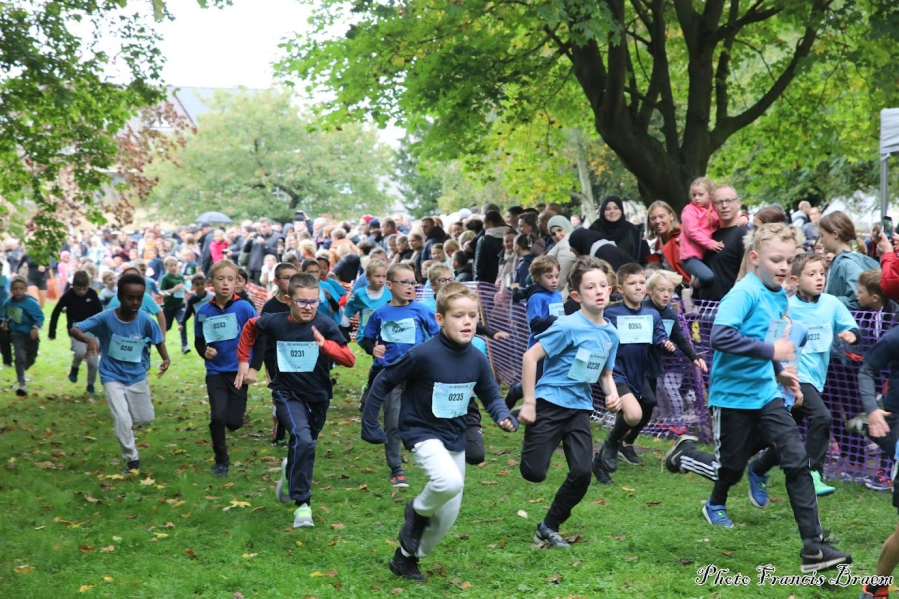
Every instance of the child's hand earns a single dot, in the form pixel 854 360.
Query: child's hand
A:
pixel 701 364
pixel 613 402
pixel 743 220
pixel 527 415
pixel 211 353
pixel 507 425
pixel 784 350
pixel 178 287
pixel 250 379
pixel 848 336
pixel 34 334
pixel 243 369
pixel 5 325
pixel 93 347
pixel 319 338
pixel 500 336
pixel 717 247
pixel 379 351
pixel 877 424
pixel 180 327
pixel 163 367
pixel 884 245
pixel 669 347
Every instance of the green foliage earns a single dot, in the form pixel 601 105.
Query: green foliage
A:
pixel 665 83
pixel 255 155
pixel 420 188
pixel 59 111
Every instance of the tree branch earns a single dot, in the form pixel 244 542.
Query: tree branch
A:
pixel 753 15
pixel 723 70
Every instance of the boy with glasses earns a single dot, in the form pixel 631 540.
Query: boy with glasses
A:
pixel 391 331
pixel 306 343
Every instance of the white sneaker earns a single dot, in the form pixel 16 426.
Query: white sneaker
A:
pixel 282 491
pixel 302 517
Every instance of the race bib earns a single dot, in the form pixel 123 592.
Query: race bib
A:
pixel 450 400
pixel 126 349
pixel 820 338
pixel 297 356
pixel 557 309
pixel 220 328
pixel 398 331
pixel 178 294
pixel 586 366
pixel 635 329
pixel 776 330
pixel 15 314
pixel 365 314
pixel 668 324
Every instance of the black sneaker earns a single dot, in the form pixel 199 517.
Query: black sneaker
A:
pixel 601 474
pixel 550 537
pixel 821 555
pixel 608 455
pixel 672 458
pixel 413 527
pixel 22 391
pixel 407 567
pixel 133 467
pixel 220 470
pixel 629 455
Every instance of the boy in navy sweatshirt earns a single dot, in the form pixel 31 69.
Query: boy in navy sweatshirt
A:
pixel 216 335
pixel 80 303
pixel 23 319
pixel 306 342
pixel 391 331
pixel 639 329
pixel 437 379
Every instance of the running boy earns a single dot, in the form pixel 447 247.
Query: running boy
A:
pixel 120 336
pixel 216 335
pixel 825 317
pixel 639 328
pixel 579 350
pixel 23 320
pixel 80 303
pixel 305 342
pixel 391 331
pixel 366 300
pixel 747 408
pixel 197 300
pixel 436 380
pixel 172 291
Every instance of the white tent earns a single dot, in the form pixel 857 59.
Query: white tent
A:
pixel 889 144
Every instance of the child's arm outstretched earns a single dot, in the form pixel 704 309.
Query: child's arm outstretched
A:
pixel 164 354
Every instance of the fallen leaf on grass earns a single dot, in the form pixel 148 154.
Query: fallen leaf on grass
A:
pixel 169 525
pixel 685 561
pixel 227 486
pixel 108 549
pixel 396 591
pixel 91 499
pixel 190 553
pixel 212 498
pixel 67 522
pixel 161 535
pixel 249 555
pixel 489 482
pixel 600 501
pixel 574 538
pixel 538 500
pixel 108 578
pixel 503 473
pixel 653 503
pixel 628 489
pixel 728 553
pixel 23 569
pixel 237 596
pixel 465 585
pixel 337 526
pixel 299 543
pixel 85 549
pixel 116 538
pixel 554 579
pixel 576 564
pixel 46 465
pixel 522 514
pixel 147 482
pixel 85 587
pixel 511 462
pixel 619 537
pixel 631 558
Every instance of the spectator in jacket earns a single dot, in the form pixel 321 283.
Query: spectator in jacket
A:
pixel 489 247
pixel 613 226
pixel 559 229
pixel 433 234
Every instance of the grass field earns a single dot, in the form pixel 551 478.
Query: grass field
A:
pixel 72 526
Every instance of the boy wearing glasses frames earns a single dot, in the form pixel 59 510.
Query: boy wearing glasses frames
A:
pixel 306 342
pixel 216 334
pixel 391 331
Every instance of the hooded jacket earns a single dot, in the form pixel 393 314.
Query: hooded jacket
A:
pixel 486 254
pixel 842 276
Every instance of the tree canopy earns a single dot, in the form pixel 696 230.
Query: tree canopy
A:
pixel 665 83
pixel 256 155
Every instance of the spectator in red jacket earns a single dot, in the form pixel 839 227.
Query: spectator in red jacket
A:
pixel 889 264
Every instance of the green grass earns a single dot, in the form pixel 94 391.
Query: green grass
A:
pixel 68 521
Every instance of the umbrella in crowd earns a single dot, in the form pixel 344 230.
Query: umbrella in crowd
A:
pixel 213 217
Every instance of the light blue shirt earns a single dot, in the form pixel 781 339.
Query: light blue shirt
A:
pixel 563 341
pixel 393 320
pixel 824 319
pixel 142 329
pixel 745 382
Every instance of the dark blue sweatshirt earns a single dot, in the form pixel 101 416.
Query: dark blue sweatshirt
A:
pixel 439 362
pixel 634 360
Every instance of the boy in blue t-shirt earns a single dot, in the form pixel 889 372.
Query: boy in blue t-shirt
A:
pixel 748 336
pixel 329 290
pixel 216 335
pixel 826 319
pixel 121 336
pixel 23 318
pixel 544 306
pixel 579 350
pixel 639 328
pixel 391 331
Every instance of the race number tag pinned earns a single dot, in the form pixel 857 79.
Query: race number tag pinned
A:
pixel 635 329
pixel 450 400
pixel 820 338
pixel 297 356
pixel 399 331
pixel 126 349
pixel 669 325
pixel 586 366
pixel 557 309
pixel 220 328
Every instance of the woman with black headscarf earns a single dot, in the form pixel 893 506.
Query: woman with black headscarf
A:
pixel 612 226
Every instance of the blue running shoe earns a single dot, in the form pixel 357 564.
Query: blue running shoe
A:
pixel 758 487
pixel 716 515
